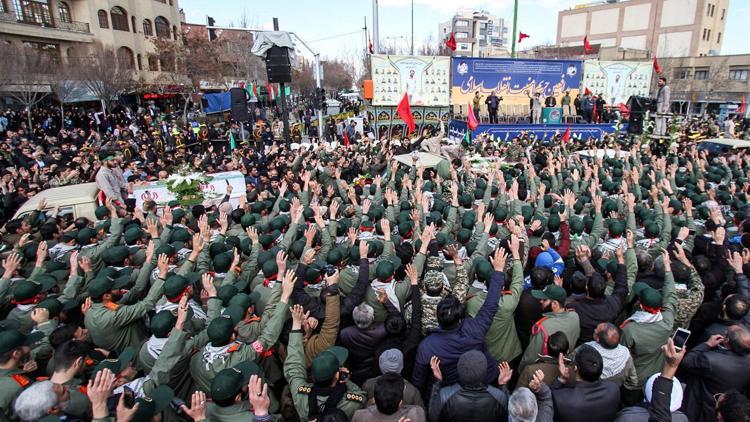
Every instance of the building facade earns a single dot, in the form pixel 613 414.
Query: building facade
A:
pixel 72 29
pixel 667 28
pixel 477 33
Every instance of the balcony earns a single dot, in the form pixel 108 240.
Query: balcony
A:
pixel 28 26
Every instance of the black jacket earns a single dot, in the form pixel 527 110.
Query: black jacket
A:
pixel 468 404
pixel 712 371
pixel 590 401
pixel 528 312
pixel 591 311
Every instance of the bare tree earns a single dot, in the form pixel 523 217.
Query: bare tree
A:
pixel 106 77
pixel 29 77
pixel 66 87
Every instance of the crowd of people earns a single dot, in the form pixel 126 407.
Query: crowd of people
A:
pixel 346 285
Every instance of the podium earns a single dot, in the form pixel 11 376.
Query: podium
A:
pixel 552 115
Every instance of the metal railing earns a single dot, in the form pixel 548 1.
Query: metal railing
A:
pixel 73 26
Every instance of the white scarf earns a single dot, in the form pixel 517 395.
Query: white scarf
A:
pixel 57 252
pixel 644 317
pixel 154 346
pixel 26 308
pixel 136 386
pixel 211 353
pixel 198 312
pixel 614 359
pixel 479 286
pixel 390 291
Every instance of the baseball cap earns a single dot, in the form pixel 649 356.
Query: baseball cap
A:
pixel 12 339
pixel 228 382
pixel 325 365
pixel 551 292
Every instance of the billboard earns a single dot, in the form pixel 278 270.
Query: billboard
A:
pixel 425 78
pixel 617 80
pixel 513 79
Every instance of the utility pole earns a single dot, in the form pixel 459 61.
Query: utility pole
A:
pixel 282 88
pixel 412 27
pixel 375 27
pixel 515 29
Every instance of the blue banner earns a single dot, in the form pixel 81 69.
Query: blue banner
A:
pixel 457 130
pixel 513 79
pixel 217 102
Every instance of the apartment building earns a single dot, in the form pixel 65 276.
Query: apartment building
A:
pixel 477 33
pixel 667 28
pixel 71 29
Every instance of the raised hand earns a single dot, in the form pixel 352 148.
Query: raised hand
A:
pixel 435 366
pixel 498 259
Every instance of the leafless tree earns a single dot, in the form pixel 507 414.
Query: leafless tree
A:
pixel 29 76
pixel 65 86
pixel 106 77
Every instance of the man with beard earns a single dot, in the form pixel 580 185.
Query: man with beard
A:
pixel 108 180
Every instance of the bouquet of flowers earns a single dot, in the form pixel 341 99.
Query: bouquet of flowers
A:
pixel 186 185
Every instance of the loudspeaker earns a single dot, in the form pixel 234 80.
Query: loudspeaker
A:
pixel 635 123
pixel 641 104
pixel 278 66
pixel 238 100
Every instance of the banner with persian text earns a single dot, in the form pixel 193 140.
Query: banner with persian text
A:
pixel 516 80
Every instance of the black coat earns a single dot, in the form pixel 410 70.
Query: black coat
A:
pixel 591 311
pixel 590 401
pixel 712 371
pixel 528 312
pixel 468 404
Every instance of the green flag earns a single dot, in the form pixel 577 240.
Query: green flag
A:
pixel 232 143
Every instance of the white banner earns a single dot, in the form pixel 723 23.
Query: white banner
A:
pixel 425 78
pixel 216 188
pixel 617 81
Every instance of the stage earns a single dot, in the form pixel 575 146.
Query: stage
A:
pixel 505 132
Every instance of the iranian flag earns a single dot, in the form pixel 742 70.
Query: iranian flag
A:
pixel 271 95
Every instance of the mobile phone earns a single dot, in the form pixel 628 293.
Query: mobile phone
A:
pixel 680 338
pixel 129 397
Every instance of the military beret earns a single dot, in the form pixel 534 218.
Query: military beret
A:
pixel 162 323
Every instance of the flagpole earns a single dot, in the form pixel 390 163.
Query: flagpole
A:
pixel 515 29
pixel 412 27
pixel 375 27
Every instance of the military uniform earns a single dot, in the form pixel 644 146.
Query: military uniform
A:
pixel 296 373
pixel 12 383
pixel 115 327
pixel 501 339
pixel 551 322
pixel 688 300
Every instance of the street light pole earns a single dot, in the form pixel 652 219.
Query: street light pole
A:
pixel 515 29
pixel 412 27
pixel 375 27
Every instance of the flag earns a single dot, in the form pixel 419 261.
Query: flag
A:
pixel 404 111
pixel 624 109
pixel 587 91
pixel 346 138
pixel 522 36
pixel 586 45
pixel 657 68
pixel 232 142
pixel 451 42
pixel 269 87
pixel 370 47
pixel 472 121
pixel 566 136
pixel 741 108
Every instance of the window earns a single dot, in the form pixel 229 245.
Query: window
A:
pixel 738 74
pixel 708 9
pixel 36 12
pixel 140 62
pixel 701 75
pixel 64 11
pixel 148 28
pixel 709 36
pixel 461 23
pixel 681 73
pixel 153 63
pixel 2 6
pixel 132 23
pixel 162 27
pixel 162 1
pixel 119 19
pixel 705 31
pixel 460 35
pixel 174 32
pixel 718 38
pixel 723 11
pixel 125 58
pixel 103 19
pixel 52 51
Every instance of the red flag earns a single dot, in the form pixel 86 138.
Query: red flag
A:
pixel 741 108
pixel 566 136
pixel 472 121
pixel 587 92
pixel 346 138
pixel 624 109
pixel 586 45
pixel 657 68
pixel 522 36
pixel 404 111
pixel 451 42
pixel 371 48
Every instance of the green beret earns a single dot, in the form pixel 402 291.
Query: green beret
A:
pixel 132 235
pixel 270 268
pixel 174 286
pixel 247 220
pixel 101 212
pixel 616 227
pixel 99 286
pixel 166 250
pixel 464 235
pixel 228 382
pixel 266 240
pixel 334 257
pixel 223 261
pixel 553 223
pixel 178 215
pixel 483 269
pixel 226 293
pixel 181 235
pixel 52 305
pixel 115 256
pixel 384 270
pixel 85 235
pixel 500 213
